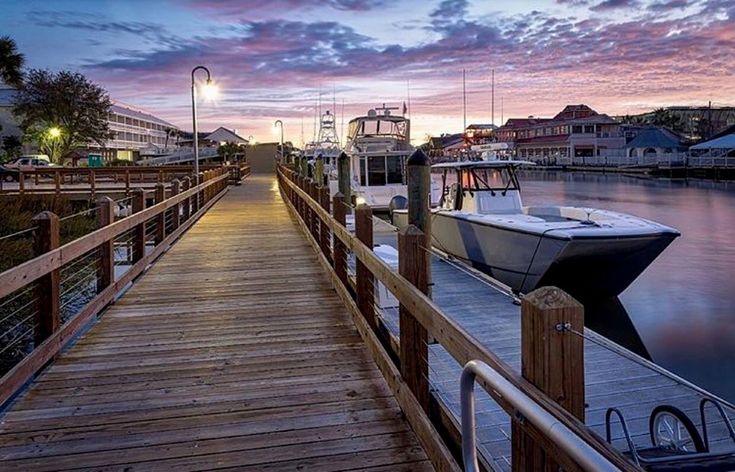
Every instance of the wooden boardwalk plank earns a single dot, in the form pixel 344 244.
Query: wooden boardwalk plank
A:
pixel 233 351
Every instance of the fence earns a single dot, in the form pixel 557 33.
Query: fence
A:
pixel 554 381
pixel 34 295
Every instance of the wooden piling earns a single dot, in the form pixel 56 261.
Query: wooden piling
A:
pixel 343 177
pixel 413 337
pixel 139 231
pixel 46 238
pixel 186 203
pixel 105 217
pixel 340 251
pixel 365 282
pixel 324 233
pixel 552 358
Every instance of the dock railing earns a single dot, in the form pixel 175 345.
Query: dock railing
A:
pixel 95 180
pixel 48 300
pixel 552 359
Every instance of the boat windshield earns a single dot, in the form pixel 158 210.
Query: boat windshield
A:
pixel 482 179
pixel 376 171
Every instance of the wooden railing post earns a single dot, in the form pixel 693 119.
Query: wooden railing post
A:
pixel 413 336
pixel 324 229
pixel 105 217
pixel 418 177
pixel 340 252
pixel 160 196
pixel 186 203
pixel 365 283
pixel 315 220
pixel 552 358
pixel 199 195
pixel 57 182
pixel 175 210
pixel 127 182
pixel 45 239
pixel 21 182
pixel 92 183
pixel 139 231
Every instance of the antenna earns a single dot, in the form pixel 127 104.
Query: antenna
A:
pixel 493 97
pixel 464 100
pixel 408 95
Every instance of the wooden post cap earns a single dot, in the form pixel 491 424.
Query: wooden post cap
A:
pixel 551 298
pixel 418 158
pixel 410 230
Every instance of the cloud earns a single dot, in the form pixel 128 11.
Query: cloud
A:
pixel 97 23
pixel 607 5
pixel 244 8
pixel 663 6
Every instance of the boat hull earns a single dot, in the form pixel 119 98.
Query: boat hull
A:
pixel 587 267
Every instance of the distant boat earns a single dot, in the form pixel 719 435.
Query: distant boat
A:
pixel 378 145
pixel 585 251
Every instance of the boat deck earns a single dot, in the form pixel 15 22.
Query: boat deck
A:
pixel 232 352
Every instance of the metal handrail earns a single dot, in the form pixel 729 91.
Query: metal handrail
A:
pixel 501 389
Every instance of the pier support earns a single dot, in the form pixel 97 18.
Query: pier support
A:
pixel 552 358
pixel 343 177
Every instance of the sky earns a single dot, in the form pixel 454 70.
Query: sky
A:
pixel 277 59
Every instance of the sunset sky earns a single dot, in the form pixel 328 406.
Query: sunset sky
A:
pixel 271 58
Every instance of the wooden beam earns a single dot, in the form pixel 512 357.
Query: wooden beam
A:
pixel 176 210
pixel 160 196
pixel 340 254
pixel 139 233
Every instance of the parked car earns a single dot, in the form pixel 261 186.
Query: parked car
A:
pixel 30 162
pixel 9 174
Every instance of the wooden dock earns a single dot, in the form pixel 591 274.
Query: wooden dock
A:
pixel 232 352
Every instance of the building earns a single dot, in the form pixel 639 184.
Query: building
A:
pixel 476 134
pixel 8 124
pixel 576 133
pixel 137 133
pixel 693 123
pixel 654 142
pixel 443 145
pixel 215 138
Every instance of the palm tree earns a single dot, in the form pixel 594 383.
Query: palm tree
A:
pixel 11 62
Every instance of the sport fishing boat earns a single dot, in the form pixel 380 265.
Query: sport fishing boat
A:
pixel 378 145
pixel 585 251
pixel 325 145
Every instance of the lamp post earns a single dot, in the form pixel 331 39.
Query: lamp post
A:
pixel 279 124
pixel 210 87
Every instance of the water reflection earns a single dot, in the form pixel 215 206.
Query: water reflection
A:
pixel 683 303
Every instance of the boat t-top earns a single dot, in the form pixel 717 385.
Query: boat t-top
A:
pixel 326 143
pixel 585 251
pixel 378 145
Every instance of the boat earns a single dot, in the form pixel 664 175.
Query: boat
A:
pixel 587 252
pixel 378 145
pixel 325 145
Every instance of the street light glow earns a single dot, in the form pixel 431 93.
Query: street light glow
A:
pixel 54 132
pixel 210 90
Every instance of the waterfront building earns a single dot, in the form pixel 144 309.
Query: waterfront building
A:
pixel 215 138
pixel 8 124
pixel 576 133
pixel 137 134
pixel 654 142
pixel 444 145
pixel 694 123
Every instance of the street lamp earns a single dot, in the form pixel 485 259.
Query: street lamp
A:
pixel 54 132
pixel 209 91
pixel 279 124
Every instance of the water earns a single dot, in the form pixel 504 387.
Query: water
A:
pixel 682 307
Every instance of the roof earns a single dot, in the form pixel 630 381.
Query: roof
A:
pixel 482 164
pixel 481 126
pixel 572 112
pixel 655 137
pixel 523 122
pixel 127 110
pixel 223 134
pixel 723 142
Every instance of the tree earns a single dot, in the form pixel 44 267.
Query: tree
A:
pixel 11 146
pixel 11 62
pixel 229 150
pixel 61 111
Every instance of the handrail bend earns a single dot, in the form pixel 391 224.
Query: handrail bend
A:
pixel 499 388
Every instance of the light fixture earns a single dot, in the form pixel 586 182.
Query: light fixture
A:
pixel 54 132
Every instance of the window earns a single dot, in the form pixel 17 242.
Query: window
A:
pixel 363 171
pixel 589 129
pixel 376 171
pixel 576 129
pixel 394 169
